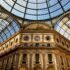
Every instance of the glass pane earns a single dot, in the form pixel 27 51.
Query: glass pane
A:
pixel 36 7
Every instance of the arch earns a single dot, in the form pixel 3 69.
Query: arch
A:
pixel 23 67
pixel 37 25
pixel 50 68
pixel 37 68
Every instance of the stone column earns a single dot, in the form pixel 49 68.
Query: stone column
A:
pixel 30 63
pixel 43 61
pixel 20 60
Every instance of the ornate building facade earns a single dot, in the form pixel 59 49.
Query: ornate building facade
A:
pixel 35 47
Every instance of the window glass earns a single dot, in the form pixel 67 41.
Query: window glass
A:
pixel 63 27
pixel 8 29
pixel 22 8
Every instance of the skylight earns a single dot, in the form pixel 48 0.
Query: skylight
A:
pixel 63 27
pixel 36 9
pixel 7 29
pixel 3 24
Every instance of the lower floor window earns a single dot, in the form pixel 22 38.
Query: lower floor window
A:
pixel 50 58
pixel 37 58
pixel 24 58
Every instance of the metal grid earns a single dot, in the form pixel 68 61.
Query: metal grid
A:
pixel 36 9
pixel 63 27
pixel 7 29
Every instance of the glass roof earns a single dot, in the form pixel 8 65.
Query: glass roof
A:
pixel 3 24
pixel 7 29
pixel 63 27
pixel 36 9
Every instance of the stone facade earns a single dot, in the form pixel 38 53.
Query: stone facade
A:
pixel 37 47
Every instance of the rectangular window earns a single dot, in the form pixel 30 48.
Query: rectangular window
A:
pixel 16 40
pixel 24 58
pixel 37 58
pixel 50 58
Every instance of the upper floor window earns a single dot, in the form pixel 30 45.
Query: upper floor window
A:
pixel 37 44
pixel 16 40
pixel 37 38
pixel 11 43
pixel 48 38
pixel 6 45
pixel 25 44
pixel 26 38
pixel 48 45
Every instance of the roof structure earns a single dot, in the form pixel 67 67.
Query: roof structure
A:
pixel 63 27
pixel 36 9
pixel 7 29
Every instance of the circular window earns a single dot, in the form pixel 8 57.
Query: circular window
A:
pixel 37 38
pixel 47 37
pixel 26 38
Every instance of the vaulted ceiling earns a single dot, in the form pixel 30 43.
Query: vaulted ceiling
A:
pixel 53 12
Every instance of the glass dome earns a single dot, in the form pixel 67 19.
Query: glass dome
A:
pixel 36 9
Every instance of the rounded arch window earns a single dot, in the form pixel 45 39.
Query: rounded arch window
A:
pixel 16 40
pixel 62 43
